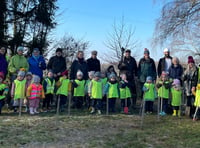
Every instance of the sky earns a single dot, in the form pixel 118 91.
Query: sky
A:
pixel 92 20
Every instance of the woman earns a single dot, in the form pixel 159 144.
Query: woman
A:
pixel 36 63
pixel 3 61
pixel 190 78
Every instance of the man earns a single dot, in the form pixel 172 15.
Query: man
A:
pixel 93 63
pixel 128 66
pixel 165 62
pixel 57 64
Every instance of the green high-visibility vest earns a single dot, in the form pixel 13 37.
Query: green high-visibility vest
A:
pixel 125 93
pixel 150 94
pixel 20 87
pixel 163 92
pixel 176 97
pixel 97 89
pixel 104 81
pixel 50 86
pixel 113 91
pixel 63 89
pixel 79 91
pixel 2 88
pixel 197 98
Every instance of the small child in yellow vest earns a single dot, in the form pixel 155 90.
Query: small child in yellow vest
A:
pixel 3 91
pixel 79 91
pixel 196 93
pixel 95 91
pixel 35 93
pixel 49 88
pixel 64 87
pixel 149 95
pixel 112 90
pixel 18 91
pixel 176 92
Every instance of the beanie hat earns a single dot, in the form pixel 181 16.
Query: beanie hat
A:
pixel 59 50
pixel 190 59
pixel 28 74
pixel 50 71
pixel 20 48
pixel 91 73
pixel 36 79
pixel 21 73
pixel 112 75
pixel 36 49
pixel 2 75
pixel 64 73
pixel 97 74
pixel 149 78
pixel 146 51
pixel 166 50
pixel 176 82
pixel 79 73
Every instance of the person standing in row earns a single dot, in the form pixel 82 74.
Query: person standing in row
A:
pixel 3 61
pixel 93 63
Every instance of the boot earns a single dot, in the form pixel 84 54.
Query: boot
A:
pixel 92 110
pixel 174 113
pixel 99 112
pixel 187 111
pixel 31 111
pixel 179 113
pixel 35 110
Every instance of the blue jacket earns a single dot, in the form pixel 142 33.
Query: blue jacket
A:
pixel 3 64
pixel 36 66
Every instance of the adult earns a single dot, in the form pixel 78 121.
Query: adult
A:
pixel 57 64
pixel 79 64
pixel 37 63
pixel 17 62
pixel 3 61
pixel 190 79
pixel 176 70
pixel 93 62
pixel 146 67
pixel 165 62
pixel 128 66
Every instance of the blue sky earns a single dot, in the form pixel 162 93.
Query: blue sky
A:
pixel 93 19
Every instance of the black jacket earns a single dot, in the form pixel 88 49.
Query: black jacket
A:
pixel 161 65
pixel 93 64
pixel 57 64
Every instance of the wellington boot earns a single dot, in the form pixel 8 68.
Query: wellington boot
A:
pixel 174 113
pixel 179 113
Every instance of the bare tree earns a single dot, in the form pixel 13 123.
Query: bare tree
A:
pixel 121 37
pixel 178 26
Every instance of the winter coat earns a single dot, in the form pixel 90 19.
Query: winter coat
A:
pixel 146 68
pixel 161 65
pixel 3 65
pixel 17 62
pixel 36 66
pixel 57 64
pixel 128 66
pixel 93 64
pixel 79 65
pixel 190 78
pixel 175 72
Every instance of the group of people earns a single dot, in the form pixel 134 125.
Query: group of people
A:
pixel 91 87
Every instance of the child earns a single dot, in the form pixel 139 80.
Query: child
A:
pixel 18 90
pixel 63 85
pixel 95 91
pixel 163 86
pixel 49 86
pixel 125 93
pixel 3 91
pixel 79 90
pixel 176 91
pixel 149 94
pixel 196 93
pixel 35 92
pixel 29 77
pixel 112 90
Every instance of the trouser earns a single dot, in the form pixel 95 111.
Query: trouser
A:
pixel 63 100
pixel 123 103
pixel 190 103
pixel 2 102
pixel 46 101
pixel 165 105
pixel 34 102
pixel 96 103
pixel 78 101
pixel 148 106
pixel 111 103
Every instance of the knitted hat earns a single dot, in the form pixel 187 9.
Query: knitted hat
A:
pixel 20 48
pixel 50 71
pixel 190 59
pixel 166 50
pixel 176 82
pixel 112 75
pixel 94 52
pixel 146 51
pixel 36 79
pixel 2 75
pixel 36 50
pixel 149 78
pixel 59 50
pixel 29 74
pixel 97 74
pixel 79 73
pixel 21 73
pixel 64 73
pixel 91 73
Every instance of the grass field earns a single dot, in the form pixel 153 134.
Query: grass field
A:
pixel 84 130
